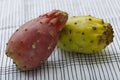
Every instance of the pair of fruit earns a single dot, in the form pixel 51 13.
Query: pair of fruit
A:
pixel 34 41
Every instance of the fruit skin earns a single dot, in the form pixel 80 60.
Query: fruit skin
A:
pixel 85 34
pixel 34 41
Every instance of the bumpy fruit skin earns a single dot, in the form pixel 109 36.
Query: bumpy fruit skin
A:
pixel 85 34
pixel 34 41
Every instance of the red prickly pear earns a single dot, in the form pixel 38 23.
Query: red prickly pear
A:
pixel 34 41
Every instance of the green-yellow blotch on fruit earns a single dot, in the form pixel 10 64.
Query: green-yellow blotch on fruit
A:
pixel 85 34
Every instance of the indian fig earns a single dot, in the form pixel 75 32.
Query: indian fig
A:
pixel 85 34
pixel 34 41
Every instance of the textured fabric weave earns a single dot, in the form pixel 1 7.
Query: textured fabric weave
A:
pixel 62 65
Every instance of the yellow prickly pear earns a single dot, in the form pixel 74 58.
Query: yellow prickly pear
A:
pixel 85 34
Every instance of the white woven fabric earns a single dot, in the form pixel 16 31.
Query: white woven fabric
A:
pixel 62 65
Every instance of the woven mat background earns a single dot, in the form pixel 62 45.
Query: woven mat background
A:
pixel 62 65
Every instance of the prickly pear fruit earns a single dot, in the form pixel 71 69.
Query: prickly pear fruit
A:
pixel 85 34
pixel 34 41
